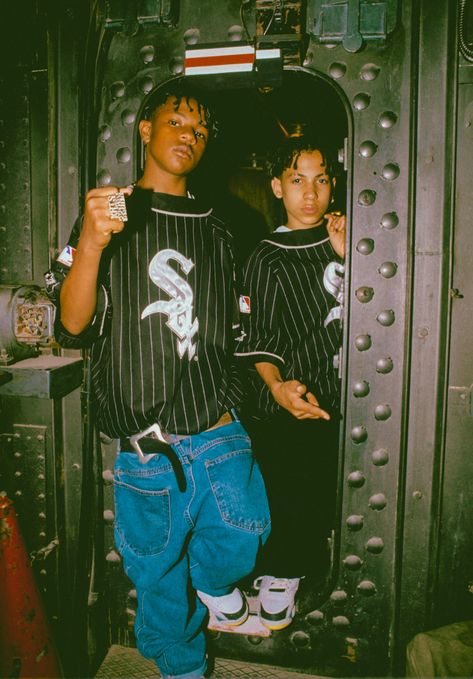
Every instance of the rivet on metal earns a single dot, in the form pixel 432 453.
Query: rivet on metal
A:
pixel 378 501
pixel 300 638
pixel 340 621
pixel 124 155
pixel 364 294
pixel 389 220
pixel 361 101
pixel 356 479
pixel 355 522
pixel 380 457
pixel 366 197
pixel 235 33
pixel 315 617
pixel 128 117
pixel 132 594
pixel 387 119
pixel 192 36
pixel 390 171
pixel 375 545
pixel 17 454
pixel 176 65
pixel 384 365
pixel 369 72
pixel 388 269
pixel 382 412
pixel 363 342
pixel 107 476
pixel 113 557
pixel 365 246
pixel 386 317
pixel 117 89
pixel 368 149
pixel 367 588
pixel 352 562
pixel 108 515
pixel 359 434
pixel 361 389
pixel 337 70
pixel 147 54
pixel 104 178
pixel 17 475
pixel 338 596
pixel 146 84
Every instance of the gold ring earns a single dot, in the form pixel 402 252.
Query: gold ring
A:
pixel 117 207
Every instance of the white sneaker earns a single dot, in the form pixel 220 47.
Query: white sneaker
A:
pixel 231 609
pixel 276 600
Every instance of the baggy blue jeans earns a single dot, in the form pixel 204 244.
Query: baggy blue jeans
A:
pixel 173 541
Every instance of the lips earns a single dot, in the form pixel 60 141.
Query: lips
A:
pixel 184 151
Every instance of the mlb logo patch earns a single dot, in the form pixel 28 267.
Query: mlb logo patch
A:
pixel 67 255
pixel 245 304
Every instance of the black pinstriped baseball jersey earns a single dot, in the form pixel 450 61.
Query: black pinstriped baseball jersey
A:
pixel 163 335
pixel 291 313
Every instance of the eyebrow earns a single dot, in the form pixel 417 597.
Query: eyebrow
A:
pixel 201 122
pixel 301 174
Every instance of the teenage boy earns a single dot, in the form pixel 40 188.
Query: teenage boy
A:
pixel 151 289
pixel 291 311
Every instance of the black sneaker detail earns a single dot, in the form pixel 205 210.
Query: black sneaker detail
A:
pixel 281 615
pixel 233 616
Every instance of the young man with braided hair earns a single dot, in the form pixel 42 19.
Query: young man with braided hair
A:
pixel 151 289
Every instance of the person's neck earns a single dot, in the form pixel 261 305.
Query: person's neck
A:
pixel 174 186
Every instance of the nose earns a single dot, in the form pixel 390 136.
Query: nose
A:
pixel 311 191
pixel 188 134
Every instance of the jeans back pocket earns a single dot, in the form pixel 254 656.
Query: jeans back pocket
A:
pixel 143 518
pixel 239 491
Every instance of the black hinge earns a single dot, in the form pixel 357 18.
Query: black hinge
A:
pixel 351 22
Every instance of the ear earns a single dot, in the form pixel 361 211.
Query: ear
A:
pixel 276 186
pixel 145 130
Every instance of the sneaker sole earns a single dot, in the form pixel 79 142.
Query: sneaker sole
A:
pixel 275 626
pixel 233 623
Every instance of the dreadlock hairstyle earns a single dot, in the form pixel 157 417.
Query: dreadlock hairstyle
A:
pixel 287 154
pixel 180 89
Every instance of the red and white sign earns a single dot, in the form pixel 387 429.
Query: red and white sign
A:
pixel 213 60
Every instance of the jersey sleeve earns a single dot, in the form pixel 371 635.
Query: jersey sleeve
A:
pixel 262 339
pixel 54 279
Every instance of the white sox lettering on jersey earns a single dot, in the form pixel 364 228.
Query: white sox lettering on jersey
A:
pixel 179 308
pixel 333 283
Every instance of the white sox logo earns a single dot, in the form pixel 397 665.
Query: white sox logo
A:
pixel 333 283
pixel 179 307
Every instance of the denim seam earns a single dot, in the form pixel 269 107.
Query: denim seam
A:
pixel 187 512
pixel 218 441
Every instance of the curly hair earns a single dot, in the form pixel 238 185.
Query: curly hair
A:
pixel 180 89
pixel 287 154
